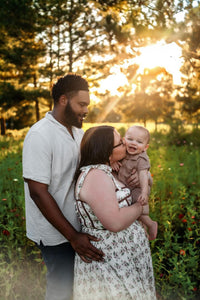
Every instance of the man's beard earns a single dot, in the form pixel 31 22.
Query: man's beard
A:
pixel 71 117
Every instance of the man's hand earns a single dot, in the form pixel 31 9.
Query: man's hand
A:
pixel 87 252
pixel 133 180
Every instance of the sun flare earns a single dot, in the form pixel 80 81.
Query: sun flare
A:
pixel 113 82
pixel 160 54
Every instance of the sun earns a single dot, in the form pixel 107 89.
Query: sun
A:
pixel 163 55
pixel 156 55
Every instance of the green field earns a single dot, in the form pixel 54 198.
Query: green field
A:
pixel 174 203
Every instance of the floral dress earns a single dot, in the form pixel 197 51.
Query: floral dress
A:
pixel 126 272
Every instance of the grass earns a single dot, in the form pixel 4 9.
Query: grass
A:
pixel 21 267
pixel 174 203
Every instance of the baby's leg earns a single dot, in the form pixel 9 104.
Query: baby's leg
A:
pixel 135 193
pixel 151 225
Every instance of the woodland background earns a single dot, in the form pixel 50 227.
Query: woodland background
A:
pixel 43 39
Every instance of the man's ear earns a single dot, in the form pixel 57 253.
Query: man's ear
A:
pixel 63 100
pixel 146 147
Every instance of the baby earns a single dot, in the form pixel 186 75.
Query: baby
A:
pixel 137 142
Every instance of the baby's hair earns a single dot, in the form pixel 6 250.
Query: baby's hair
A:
pixel 145 130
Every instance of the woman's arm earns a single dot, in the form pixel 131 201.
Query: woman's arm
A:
pixel 99 192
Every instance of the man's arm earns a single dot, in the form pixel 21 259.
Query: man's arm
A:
pixel 51 211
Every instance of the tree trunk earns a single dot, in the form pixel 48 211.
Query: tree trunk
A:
pixel 70 49
pixel 51 67
pixel 3 126
pixel 156 125
pixel 37 110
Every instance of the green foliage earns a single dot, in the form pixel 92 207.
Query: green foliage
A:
pixel 122 131
pixel 174 204
pixel 20 261
pixel 9 95
pixel 41 40
pixel 179 136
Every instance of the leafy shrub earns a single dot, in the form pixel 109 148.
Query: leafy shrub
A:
pixel 174 202
pixel 20 261
pixel 184 138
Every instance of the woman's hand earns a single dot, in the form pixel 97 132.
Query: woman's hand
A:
pixel 133 180
pixel 145 210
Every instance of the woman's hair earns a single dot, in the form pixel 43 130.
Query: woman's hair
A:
pixel 96 147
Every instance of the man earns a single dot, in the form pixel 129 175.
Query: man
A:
pixel 50 157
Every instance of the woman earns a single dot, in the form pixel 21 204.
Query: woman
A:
pixel 105 210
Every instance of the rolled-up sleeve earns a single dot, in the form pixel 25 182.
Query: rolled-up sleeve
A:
pixel 37 158
pixel 143 164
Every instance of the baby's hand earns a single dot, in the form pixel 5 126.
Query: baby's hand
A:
pixel 143 199
pixel 116 166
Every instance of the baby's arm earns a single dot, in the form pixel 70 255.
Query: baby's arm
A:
pixel 116 166
pixel 144 180
pixel 150 179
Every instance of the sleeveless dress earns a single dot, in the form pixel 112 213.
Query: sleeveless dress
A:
pixel 126 272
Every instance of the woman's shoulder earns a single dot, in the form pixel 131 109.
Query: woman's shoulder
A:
pixel 102 167
pixel 95 174
pixel 98 173
pixel 94 182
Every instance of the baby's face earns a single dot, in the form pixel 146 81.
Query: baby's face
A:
pixel 136 141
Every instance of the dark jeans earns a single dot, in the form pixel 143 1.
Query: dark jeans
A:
pixel 59 261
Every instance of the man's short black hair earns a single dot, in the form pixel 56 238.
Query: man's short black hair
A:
pixel 67 84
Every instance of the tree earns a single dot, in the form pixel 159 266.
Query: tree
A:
pixel 190 99
pixel 152 98
pixel 19 50
pixel 8 95
pixel 53 37
pixel 189 39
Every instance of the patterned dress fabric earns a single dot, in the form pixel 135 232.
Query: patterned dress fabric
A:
pixel 126 272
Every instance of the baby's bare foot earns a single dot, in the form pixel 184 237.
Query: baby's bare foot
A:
pixel 153 229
